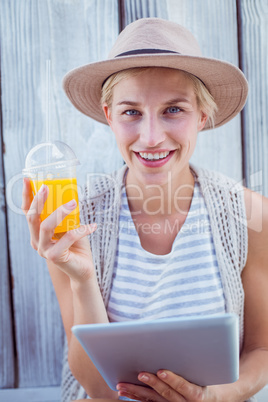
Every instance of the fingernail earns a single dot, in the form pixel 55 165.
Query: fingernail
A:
pixel 144 378
pixel 42 189
pixel 71 204
pixel 122 389
pixel 162 375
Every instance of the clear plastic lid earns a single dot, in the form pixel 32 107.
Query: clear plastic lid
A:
pixel 49 156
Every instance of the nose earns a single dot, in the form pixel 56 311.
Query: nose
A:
pixel 152 132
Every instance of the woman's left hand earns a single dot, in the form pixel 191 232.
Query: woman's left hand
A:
pixel 165 386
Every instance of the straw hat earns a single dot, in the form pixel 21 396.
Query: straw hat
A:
pixel 154 42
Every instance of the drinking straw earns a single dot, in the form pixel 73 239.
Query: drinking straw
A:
pixel 47 105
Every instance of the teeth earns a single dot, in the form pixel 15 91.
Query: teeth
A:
pixel 154 156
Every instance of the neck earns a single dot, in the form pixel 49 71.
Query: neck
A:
pixel 172 197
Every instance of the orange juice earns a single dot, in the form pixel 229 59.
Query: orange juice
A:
pixel 61 191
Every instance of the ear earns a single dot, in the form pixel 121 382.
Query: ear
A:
pixel 107 112
pixel 202 121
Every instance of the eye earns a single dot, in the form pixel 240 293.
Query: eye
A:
pixel 173 109
pixel 131 112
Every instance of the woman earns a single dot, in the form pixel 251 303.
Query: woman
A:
pixel 157 92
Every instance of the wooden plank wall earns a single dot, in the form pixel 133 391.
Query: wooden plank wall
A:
pixel 68 33
pixel 254 62
pixel 7 372
pixel 71 33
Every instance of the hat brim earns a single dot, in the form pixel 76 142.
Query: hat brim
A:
pixel 226 83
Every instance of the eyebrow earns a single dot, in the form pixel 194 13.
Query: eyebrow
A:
pixel 177 100
pixel 127 102
pixel 169 102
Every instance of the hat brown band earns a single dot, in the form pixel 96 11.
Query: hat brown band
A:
pixel 145 51
pixel 141 51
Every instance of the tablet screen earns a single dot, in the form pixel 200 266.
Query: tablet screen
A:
pixel 202 349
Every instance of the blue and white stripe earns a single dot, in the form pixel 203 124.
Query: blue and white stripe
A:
pixel 184 282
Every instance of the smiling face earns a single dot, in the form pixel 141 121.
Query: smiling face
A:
pixel 155 119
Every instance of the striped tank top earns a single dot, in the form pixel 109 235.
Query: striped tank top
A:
pixel 182 283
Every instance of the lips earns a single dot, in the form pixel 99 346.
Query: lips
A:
pixel 154 159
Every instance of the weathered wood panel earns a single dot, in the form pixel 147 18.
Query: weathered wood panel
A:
pixel 254 58
pixel 37 394
pixel 68 33
pixel 7 373
pixel 214 24
pixel 135 9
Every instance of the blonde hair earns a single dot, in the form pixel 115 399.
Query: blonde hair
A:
pixel 205 101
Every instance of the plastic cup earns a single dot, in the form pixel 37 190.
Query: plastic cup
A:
pixel 54 164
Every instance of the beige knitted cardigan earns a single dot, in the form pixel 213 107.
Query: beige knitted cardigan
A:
pixel 224 199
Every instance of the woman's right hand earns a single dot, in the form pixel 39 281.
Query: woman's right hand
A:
pixel 71 253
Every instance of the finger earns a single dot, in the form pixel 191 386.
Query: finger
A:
pixel 139 393
pixel 181 386
pixel 33 215
pixel 59 253
pixel 48 226
pixel 38 202
pixel 161 388
pixel 27 195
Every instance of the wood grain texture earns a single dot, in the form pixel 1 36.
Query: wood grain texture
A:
pixel 135 9
pixel 68 33
pixel 254 23
pixel 7 367
pixel 36 394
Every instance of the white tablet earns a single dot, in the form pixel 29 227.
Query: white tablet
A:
pixel 202 349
